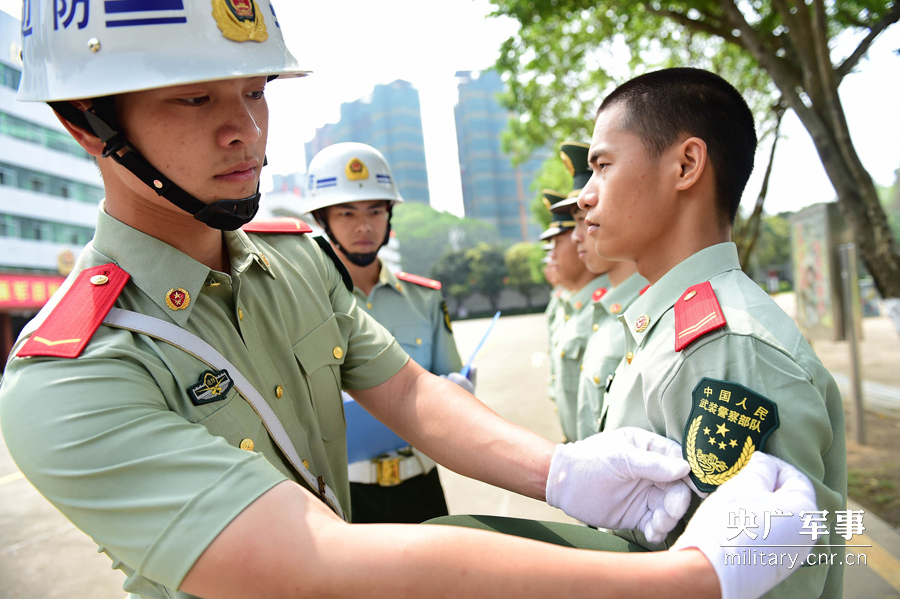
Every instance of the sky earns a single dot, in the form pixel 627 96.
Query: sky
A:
pixel 353 45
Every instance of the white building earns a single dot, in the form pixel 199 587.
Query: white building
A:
pixel 49 191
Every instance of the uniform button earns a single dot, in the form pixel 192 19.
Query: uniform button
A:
pixel 629 357
pixel 552 377
pixel 690 296
pixel 418 341
pixel 306 464
pixel 279 391
pixel 99 280
pixel 240 315
pixel 338 353
pixel 399 287
pixel 247 445
pixel 596 326
pixel 369 305
pixel 581 368
pixel 562 354
pixel 566 317
pixel 596 379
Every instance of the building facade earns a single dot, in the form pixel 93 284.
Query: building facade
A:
pixel 49 192
pixel 390 120
pixel 493 190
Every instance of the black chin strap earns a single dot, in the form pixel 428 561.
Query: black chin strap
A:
pixel 355 257
pixel 225 215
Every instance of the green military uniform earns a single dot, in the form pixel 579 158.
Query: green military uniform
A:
pixel 113 439
pixel 555 313
pixel 416 315
pixel 603 351
pixel 760 349
pixel 567 352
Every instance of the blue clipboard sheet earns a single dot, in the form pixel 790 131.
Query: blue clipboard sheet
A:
pixel 367 438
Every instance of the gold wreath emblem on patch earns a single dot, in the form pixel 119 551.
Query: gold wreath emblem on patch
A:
pixel 356 170
pixel 240 20
pixel 707 467
pixel 568 162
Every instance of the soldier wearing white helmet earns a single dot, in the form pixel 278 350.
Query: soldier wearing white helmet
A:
pixel 351 193
pixel 179 398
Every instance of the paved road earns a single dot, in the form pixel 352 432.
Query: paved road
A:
pixel 42 556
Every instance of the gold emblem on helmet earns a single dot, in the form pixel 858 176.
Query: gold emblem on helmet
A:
pixel 568 162
pixel 356 170
pixel 240 20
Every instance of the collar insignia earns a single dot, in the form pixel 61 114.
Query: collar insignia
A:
pixel 178 299
pixel 728 422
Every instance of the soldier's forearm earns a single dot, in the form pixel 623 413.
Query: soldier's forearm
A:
pixel 459 432
pixel 286 544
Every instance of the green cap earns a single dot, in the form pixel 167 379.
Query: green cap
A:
pixel 560 221
pixel 574 155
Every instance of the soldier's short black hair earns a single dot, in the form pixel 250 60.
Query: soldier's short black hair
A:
pixel 663 105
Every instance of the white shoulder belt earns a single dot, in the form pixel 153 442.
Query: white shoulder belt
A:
pixel 182 339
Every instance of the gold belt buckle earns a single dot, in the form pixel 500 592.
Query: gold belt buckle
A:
pixel 388 472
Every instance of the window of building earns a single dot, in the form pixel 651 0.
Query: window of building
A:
pixel 14 176
pixel 39 230
pixel 9 77
pixel 33 133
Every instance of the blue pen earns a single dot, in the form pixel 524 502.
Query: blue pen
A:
pixel 468 366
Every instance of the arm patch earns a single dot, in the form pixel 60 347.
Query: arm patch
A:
pixel 345 274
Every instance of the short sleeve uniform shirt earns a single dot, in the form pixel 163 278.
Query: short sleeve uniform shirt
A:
pixel 759 348
pixel 113 439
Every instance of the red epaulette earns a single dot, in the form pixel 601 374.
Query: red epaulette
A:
pixel 644 290
pixel 277 225
pixel 68 328
pixel 697 312
pixel 598 294
pixel 430 283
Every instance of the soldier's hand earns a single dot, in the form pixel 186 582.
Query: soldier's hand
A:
pixel 626 478
pixel 765 484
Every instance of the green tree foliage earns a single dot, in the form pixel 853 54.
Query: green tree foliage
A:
pixel 488 271
pixel 554 176
pixel 890 199
pixel 454 271
pixel 773 246
pixel 777 52
pixel 426 234
pixel 523 263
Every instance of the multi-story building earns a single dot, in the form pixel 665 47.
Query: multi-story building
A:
pixel 49 191
pixel 390 120
pixel 493 189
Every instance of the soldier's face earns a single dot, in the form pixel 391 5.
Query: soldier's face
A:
pixel 586 246
pixel 629 206
pixel 208 138
pixel 359 227
pixel 565 255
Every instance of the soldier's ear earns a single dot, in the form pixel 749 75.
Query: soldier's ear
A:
pixel 692 156
pixel 87 140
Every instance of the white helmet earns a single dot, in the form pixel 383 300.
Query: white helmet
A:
pixel 348 172
pixel 98 49
pixel 95 48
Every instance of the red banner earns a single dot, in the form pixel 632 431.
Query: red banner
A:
pixel 23 292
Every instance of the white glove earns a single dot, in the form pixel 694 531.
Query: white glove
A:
pixel 626 478
pixel 458 379
pixel 765 484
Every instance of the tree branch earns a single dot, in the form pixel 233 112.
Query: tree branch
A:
pixel 696 25
pixel 891 17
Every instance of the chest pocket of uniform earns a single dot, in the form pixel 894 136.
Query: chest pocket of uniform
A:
pixel 320 354
pixel 570 353
pixel 416 341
